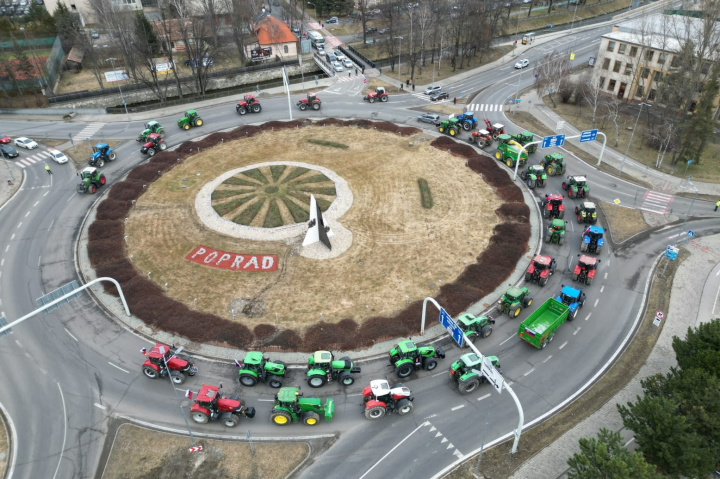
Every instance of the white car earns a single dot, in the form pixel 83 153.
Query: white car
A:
pixel 522 63
pixel 337 66
pixel 432 89
pixel 339 55
pixel 25 143
pixel 58 156
pixel 348 64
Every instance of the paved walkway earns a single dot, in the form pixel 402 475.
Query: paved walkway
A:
pixel 688 285
pixel 9 171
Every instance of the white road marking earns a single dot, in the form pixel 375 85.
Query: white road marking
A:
pixel 533 369
pixel 8 247
pixel 66 330
pixel 350 395
pixel 608 264
pixel 563 345
pixel 2 261
pixel 588 316
pixel 36 203
pixel 62 449
pixel 118 367
pixel 602 288
pixel 393 449
pixel 19 224
pixel 458 407
pixel 12 237
pixel 51 224
pixel 430 417
pixel 42 370
pixel 71 196
pixel 606 274
pixel 46 193
pixel 510 383
pixel 16 341
pixel 576 331
pixel 439 374
pixel 547 359
pixel 631 440
pixel 714 304
pixel 39 260
pixel 483 397
pixel 508 339
pixel 99 406
pixel 26 214
pixel 265 400
pixel 596 302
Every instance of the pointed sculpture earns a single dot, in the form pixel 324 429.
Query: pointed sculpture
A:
pixel 317 230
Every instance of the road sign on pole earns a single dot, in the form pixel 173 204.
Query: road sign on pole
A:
pixel 691 233
pixel 195 449
pixel 492 374
pixel 552 141
pixel 659 316
pixel 588 135
pixel 671 252
pixel 451 326
pixel 560 125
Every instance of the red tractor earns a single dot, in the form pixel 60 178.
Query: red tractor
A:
pixel 585 269
pixel 540 269
pixel 154 144
pixel 210 405
pixel 495 129
pixel 163 357
pixel 379 94
pixel 248 104
pixel 553 207
pixel 481 137
pixel 312 101
pixel 380 399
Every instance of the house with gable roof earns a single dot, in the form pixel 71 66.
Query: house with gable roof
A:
pixel 273 39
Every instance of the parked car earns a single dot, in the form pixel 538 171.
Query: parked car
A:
pixel 337 66
pixel 8 151
pixel 549 25
pixel 429 118
pixel 94 33
pixel 330 57
pixel 347 63
pixel 23 3
pixel 321 51
pixel 2 10
pixel 376 11
pixel 432 89
pixel 339 55
pixel 370 30
pixel 383 30
pixel 58 156
pixel 522 63
pixel 332 20
pixel 5 140
pixel 25 143
pixel 439 95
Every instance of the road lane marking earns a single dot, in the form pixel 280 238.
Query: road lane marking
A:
pixel 16 341
pixel 577 331
pixel 458 407
pixel 39 260
pixel 8 247
pixel 26 214
pixel 483 397
pixel 588 316
pixel 36 203
pixel 438 374
pixel 62 449
pixel 547 359
pixel 533 369
pixel 606 274
pixel 99 406
pixel 430 417
pixel 393 449
pixel 351 395
pixel 563 345
pixel 596 302
pixel 46 193
pixel 12 237
pixel 508 339
pixel 2 262
pixel 19 224
pixel 265 400
pixel 51 224
pixel 66 330
pixel 602 288
pixel 631 440
pixel 116 366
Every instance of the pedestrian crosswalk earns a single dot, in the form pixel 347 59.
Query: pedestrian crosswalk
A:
pixel 654 202
pixel 486 107
pixel 343 77
pixel 88 131
pixel 39 157
pixel 333 40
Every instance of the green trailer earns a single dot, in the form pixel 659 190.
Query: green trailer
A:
pixel 539 328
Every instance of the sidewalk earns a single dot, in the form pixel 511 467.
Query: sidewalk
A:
pixel 9 171
pixel 688 285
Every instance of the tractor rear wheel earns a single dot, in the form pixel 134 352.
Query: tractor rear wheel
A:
pixel 163 146
pixel 486 331
pixel 198 122
pixel 528 277
pixel 579 218
pixel 248 380
pixel 548 238
pixel 429 364
pixel 161 133
pixel 316 106
pixel 471 139
pixel 541 182
pixel 469 385
pixel 177 377
pixel 92 189
pixel 281 418
pixel 561 214
pixel 100 163
pixel 316 380
pixel 404 370
pixel 256 108
pixel 274 382
pixel 242 110
pixel 561 240
pixel 527 302
pixel 150 372
pixel 517 311
pixel 588 281
pixel 404 406
pixel 530 183
pixel 523 175
pixel 543 281
pixel 102 179
pixel 577 210
pixel 571 193
pixel 574 277
pixel 200 417
pixel 311 418
pixel 346 379
pixel 112 156
pixel 303 106
pixel 583 247
pixel 375 412
pixel 232 421
pixel 186 126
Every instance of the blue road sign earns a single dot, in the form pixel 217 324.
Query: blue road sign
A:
pixel 671 252
pixel 451 326
pixel 554 140
pixel 691 233
pixel 588 135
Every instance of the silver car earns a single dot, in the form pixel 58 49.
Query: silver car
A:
pixel 337 66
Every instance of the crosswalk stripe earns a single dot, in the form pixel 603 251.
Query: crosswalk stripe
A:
pixel 31 159
pixel 42 154
pixel 23 162
pixel 654 202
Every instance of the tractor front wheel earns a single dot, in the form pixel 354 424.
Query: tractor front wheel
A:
pixel 248 380
pixel 583 247
pixel 316 380
pixel 404 370
pixel 375 412
pixel 527 302
pixel 242 110
pixel 151 152
pixel 452 132
pixel 232 421
pixel 92 189
pixel 311 418
pixel 528 277
pixel 198 122
pixel 467 126
pixel 177 377
pixel 564 186
pixel 100 163
pixel 112 156
pixel 498 156
pixel 186 126
pixel 371 100
pixel 256 108
pixel 404 407
pixel 523 175
pixel 429 364
pixel 200 417
pixel 469 385
pixel 163 146
pixel 509 162
pixel 561 240
pixel 517 311
pixel 346 379
pixel 150 372
pixel 544 343
pixel 441 129
pixel 281 418
pixel 275 382
pixel 561 214
pixel 548 238
pixel 303 107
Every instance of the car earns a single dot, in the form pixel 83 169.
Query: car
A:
pixel 432 89
pixel 14 3
pixel 23 3
pixel 439 95
pixel 337 66
pixel 25 143
pixel 347 63
pixel 332 20
pixel 94 33
pixel 2 10
pixel 331 58
pixel 383 30
pixel 58 156
pixel 296 28
pixel 5 140
pixel 429 118
pixel 321 51
pixel 522 63
pixel 370 30
pixel 549 25
pixel 376 11
pixel 40 2
pixel 8 151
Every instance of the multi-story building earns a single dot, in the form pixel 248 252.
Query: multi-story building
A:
pixel 83 8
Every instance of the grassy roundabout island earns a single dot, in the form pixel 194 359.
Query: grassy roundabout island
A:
pixel 421 224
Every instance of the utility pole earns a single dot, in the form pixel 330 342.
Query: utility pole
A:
pixel 399 51
pixel 622 163
pixel 112 62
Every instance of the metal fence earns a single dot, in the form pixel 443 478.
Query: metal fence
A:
pixel 53 66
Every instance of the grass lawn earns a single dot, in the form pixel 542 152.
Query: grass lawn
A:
pixel 623 222
pixel 30 53
pixel 561 16
pixel 80 153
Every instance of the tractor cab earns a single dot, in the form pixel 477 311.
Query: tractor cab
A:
pixel 101 148
pixel 585 269
pixel 593 240
pixel 578 181
pixel 152 127
pixel 554 164
pixel 557 225
pixel 504 139
pixel 573 297
pixel 311 97
pixel 88 173
pixel 472 361
pixel 380 390
pixel 289 398
pixel 586 212
pixel 536 170
pixel 254 360
pixel 514 294
pixel 542 263
pixel 191 114
pixel 494 128
pixel 470 323
pixel 210 398
pixel 161 353
pixel 402 350
pixel 482 132
pixel 249 99
pixel 553 206
pixel 153 139
pixel 525 137
pixel 379 91
pixel 321 360
pixel 462 371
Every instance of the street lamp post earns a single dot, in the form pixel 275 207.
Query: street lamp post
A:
pixel 517 90
pixel 692 186
pixel 399 51
pixel 622 163
pixel 112 62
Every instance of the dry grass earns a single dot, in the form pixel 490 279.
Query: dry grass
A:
pixel 498 463
pixel 392 89
pixel 149 448
pixel 399 248
pixel 564 14
pixel 80 153
pixel 4 448
pixel 623 222
pixel 51 143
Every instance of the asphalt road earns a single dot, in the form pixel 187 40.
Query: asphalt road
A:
pixel 73 367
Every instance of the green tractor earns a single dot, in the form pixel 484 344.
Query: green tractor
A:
pixel 151 127
pixel 191 118
pixel 450 127
pixel 255 367
pixel 576 187
pixel 292 406
pixel 407 357
pixel 556 232
pixel 524 138
pixel 534 176
pixel 554 164
pixel 508 151
pixel 514 300
pixel 322 368
pixel 461 372
pixel 474 326
pixel 90 180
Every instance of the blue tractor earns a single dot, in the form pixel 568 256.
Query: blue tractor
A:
pixel 101 153
pixel 467 120
pixel 574 298
pixel 592 240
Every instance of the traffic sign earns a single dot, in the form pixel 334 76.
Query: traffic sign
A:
pixel 616 201
pixel 671 252
pixel 195 449
pixel 492 374
pixel 451 326
pixel 560 125
pixel 659 316
pixel 552 141
pixel 691 233
pixel 588 135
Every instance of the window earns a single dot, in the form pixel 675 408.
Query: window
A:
pixel 662 58
pixel 657 76
pixel 285 49
pixel 611 85
pixel 639 91
pixel 628 69
pixel 606 64
pixel 645 72
pixel 622 48
pixel 649 55
pixel 73 7
pixel 601 82
pixel 617 66
pixel 692 107
pixel 675 63
pixel 652 94
pixel 705 68
pixel 611 46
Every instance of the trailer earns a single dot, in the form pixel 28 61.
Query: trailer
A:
pixel 539 328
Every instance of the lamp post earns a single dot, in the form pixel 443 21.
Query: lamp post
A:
pixel 439 58
pixel 622 163
pixel 34 62
pixel 399 51
pixel 112 62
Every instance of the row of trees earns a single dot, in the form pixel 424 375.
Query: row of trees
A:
pixel 676 421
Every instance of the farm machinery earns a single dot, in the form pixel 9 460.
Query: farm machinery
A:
pixel 585 269
pixel 381 399
pixel 407 357
pixel 554 164
pixel 256 367
pixel 556 232
pixel 481 137
pixel 322 368
pixel 576 187
pixel 586 213
pixel 312 101
pixel 451 127
pixel 525 138
pixel 249 104
pixel 495 129
pixel 191 118
pixel 540 269
pixel 552 206
pixel 101 153
pixel 514 300
pixel 210 405
pixel 534 176
pixel 151 127
pixel 163 360
pixel 510 152
pixel 154 144
pixel 90 180
pixel 462 372
pixel 592 240
pixel 574 298
pixel 292 407
pixel 467 120
pixel 475 326
pixel 378 95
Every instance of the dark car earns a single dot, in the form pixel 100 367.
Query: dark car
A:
pixel 331 57
pixel 8 151
pixel 429 118
pixel 439 95
pixel 371 30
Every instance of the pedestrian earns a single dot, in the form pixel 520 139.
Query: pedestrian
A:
pixel 349 73
pixel 408 82
pixel 47 168
pixel 716 205
pixel 455 101
pixel 322 25
pixel 413 86
pixel 356 72
pixel 401 86
pixel 362 69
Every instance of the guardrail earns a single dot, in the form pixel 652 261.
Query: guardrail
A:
pixel 359 55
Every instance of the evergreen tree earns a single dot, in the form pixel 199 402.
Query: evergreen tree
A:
pixel 700 348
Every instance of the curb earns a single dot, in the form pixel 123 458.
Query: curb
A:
pixel 12 440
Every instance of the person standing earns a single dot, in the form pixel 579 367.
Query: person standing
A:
pixel 455 101
pixel 717 205
pixel 47 168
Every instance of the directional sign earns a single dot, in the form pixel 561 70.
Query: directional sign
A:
pixel 195 449
pixel 588 135
pixel 492 374
pixel 560 125
pixel 659 316
pixel 451 326
pixel 552 141
pixel 671 252
pixel 3 323
pixel 691 233
pixel 53 295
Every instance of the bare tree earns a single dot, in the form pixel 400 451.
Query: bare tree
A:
pixel 591 92
pixel 550 73
pixel 612 106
